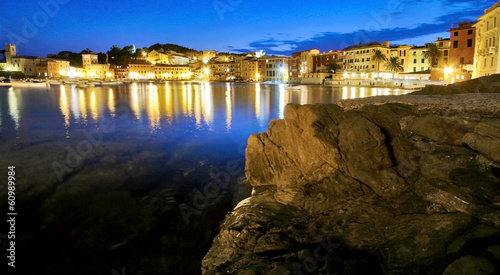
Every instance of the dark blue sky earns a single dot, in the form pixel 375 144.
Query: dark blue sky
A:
pixel 278 27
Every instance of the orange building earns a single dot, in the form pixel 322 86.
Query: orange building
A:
pixel 462 46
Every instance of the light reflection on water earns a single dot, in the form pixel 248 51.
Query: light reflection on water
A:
pixel 219 108
pixel 168 137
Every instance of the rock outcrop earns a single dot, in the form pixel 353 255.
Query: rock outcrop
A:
pixel 398 184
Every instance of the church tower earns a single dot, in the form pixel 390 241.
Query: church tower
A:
pixel 10 51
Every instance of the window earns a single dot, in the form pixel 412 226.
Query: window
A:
pixel 462 60
pixel 446 52
pixel 414 61
pixel 402 61
pixel 469 32
pixel 423 60
pixel 455 34
pixel 422 69
pixel 469 43
pixel 440 44
pixel 455 44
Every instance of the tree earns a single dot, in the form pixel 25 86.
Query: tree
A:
pixel 378 57
pixel 334 67
pixel 432 53
pixel 87 51
pixel 394 65
pixel 2 68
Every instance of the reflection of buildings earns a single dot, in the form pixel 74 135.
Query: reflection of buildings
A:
pixel 486 57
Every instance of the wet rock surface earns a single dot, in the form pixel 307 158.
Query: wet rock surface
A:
pixel 385 185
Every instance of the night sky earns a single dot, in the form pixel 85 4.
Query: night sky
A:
pixel 278 27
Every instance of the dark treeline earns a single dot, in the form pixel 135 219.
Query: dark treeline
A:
pixel 119 56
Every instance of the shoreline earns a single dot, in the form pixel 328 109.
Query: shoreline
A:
pixel 389 85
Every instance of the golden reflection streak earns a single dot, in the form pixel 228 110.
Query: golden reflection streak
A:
pixel 362 93
pixel 303 95
pixel 189 99
pixel 197 107
pixel 229 108
pixel 74 103
pixel 353 93
pixel 111 103
pixel 169 104
pixel 153 107
pixel 344 93
pixel 134 101
pixel 257 100
pixel 64 106
pixel 208 104
pixel 281 101
pixel 94 111
pixel 184 101
pixel 14 107
pixel 82 105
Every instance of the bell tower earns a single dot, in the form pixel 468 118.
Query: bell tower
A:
pixel 10 51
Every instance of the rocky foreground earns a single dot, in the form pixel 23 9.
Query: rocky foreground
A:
pixel 395 185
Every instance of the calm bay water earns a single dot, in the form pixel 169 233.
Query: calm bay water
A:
pixel 133 176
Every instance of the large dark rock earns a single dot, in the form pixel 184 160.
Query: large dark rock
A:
pixel 400 185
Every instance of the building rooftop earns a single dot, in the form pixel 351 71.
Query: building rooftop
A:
pixel 492 7
pixel 365 45
pixel 461 25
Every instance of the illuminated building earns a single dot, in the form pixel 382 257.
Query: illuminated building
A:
pixel 462 45
pixel 301 63
pixel 486 57
pixel 34 66
pixel 92 68
pixel 440 64
pixel 274 69
pixel 171 72
pixel 141 70
pixel 322 61
pixel 250 69
pixel 359 58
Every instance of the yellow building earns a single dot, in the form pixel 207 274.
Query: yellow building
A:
pixel 92 69
pixel 416 61
pixel 207 55
pixel 158 57
pixel 141 71
pixel 50 67
pixel 250 69
pixel 358 61
pixel 35 66
pixel 222 70
pixel 274 69
pixel 486 57
pixel 172 72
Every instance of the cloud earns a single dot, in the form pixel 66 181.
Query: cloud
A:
pixel 336 40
